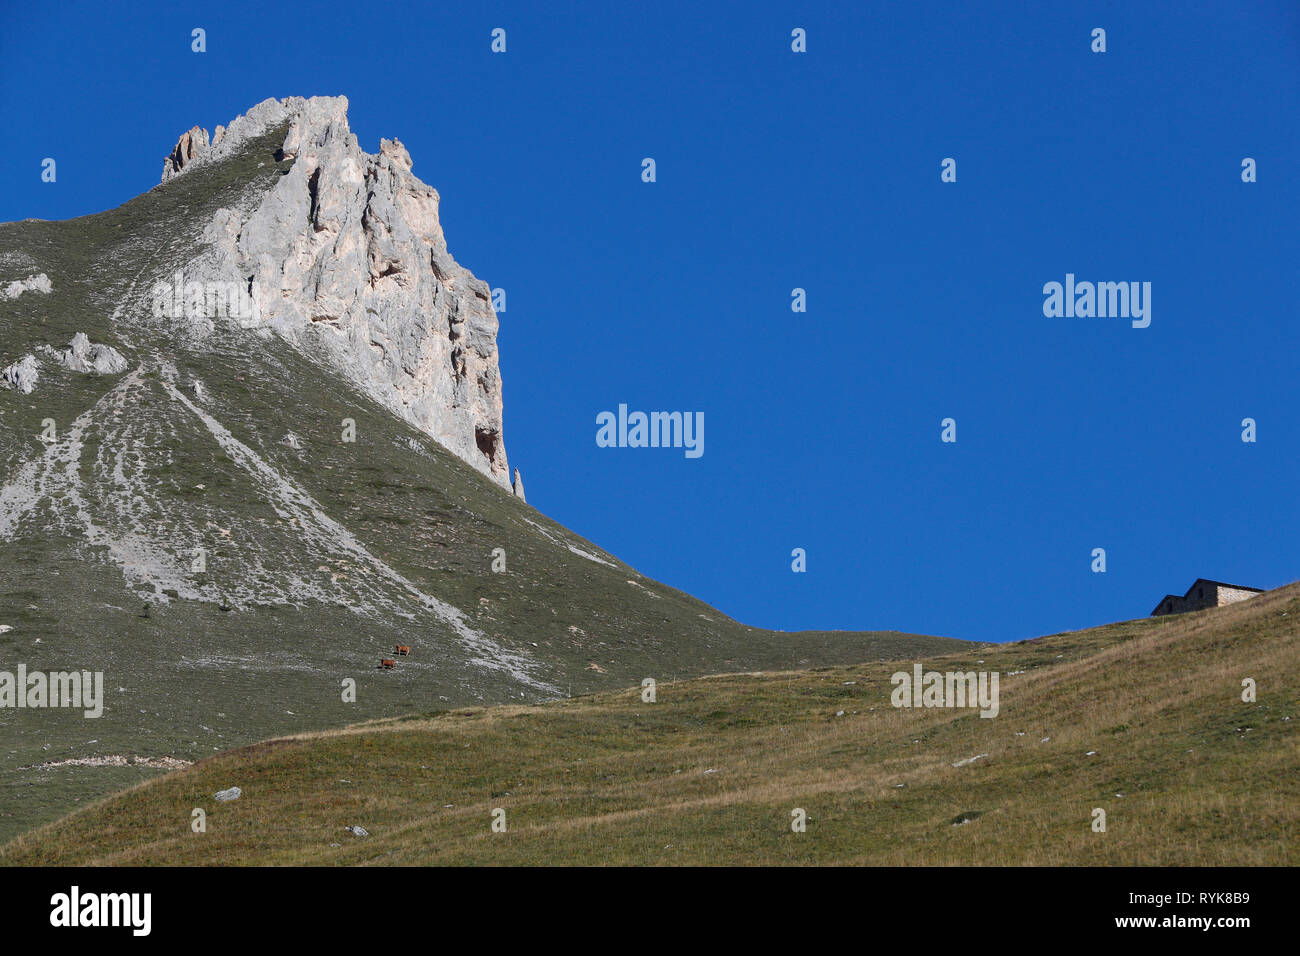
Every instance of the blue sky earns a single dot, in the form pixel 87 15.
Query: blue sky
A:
pixel 821 171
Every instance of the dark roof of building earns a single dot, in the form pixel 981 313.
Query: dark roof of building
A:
pixel 1221 584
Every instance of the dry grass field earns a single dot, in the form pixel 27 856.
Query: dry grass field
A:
pixel 1144 720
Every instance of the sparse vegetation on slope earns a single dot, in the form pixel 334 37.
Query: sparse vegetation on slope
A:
pixel 1143 719
pixel 319 558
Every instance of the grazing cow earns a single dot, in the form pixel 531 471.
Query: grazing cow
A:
pixel 386 664
pixel 403 650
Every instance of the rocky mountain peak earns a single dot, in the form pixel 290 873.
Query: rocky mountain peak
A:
pixel 345 257
pixel 188 148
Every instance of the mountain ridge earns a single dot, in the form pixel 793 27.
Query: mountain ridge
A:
pixel 207 529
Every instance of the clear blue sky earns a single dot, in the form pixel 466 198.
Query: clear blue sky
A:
pixel 820 170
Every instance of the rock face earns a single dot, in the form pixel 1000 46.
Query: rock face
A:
pixel 518 485
pixel 188 148
pixel 22 375
pixel 347 260
pixel 37 283
pixel 82 355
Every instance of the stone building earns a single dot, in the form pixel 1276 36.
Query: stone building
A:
pixel 1202 594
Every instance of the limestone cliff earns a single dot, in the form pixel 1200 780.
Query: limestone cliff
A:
pixel 345 258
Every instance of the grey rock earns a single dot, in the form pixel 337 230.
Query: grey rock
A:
pixel 518 486
pixel 82 355
pixel 234 793
pixel 188 148
pixel 22 375
pixel 37 283
pixel 348 262
pixel 358 831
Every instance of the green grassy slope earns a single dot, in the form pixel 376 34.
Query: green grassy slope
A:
pixel 139 479
pixel 1143 720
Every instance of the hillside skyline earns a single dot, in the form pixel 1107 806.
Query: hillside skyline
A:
pixel 925 299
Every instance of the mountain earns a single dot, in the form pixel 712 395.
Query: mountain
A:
pixel 344 257
pixel 1143 721
pixel 251 439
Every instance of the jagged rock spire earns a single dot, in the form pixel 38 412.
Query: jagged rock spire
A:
pixel 345 257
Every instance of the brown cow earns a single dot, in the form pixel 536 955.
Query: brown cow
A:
pixel 403 650
pixel 386 664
